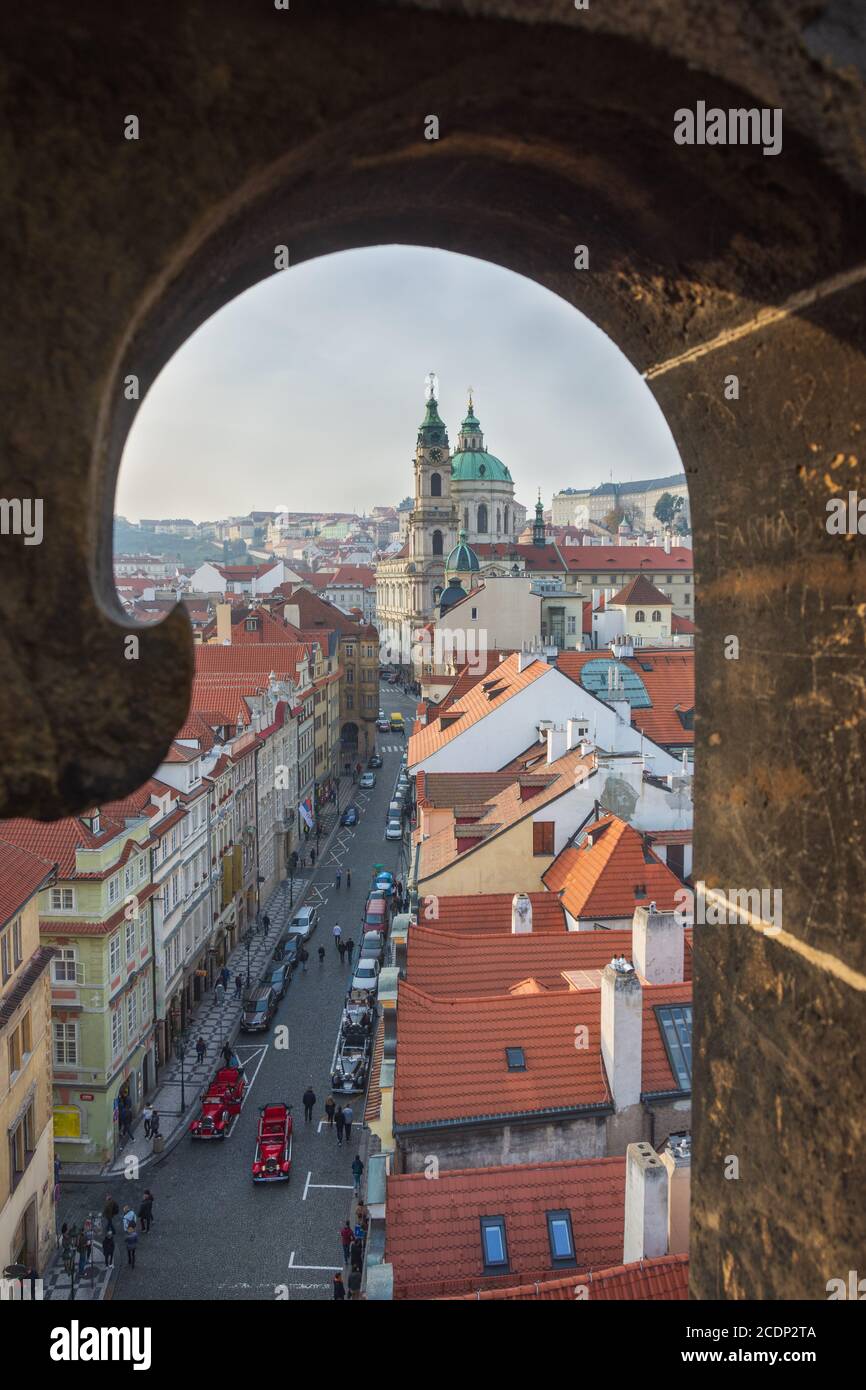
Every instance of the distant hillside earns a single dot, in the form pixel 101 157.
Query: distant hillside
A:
pixel 132 540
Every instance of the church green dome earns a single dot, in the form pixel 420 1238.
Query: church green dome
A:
pixel 477 466
pixel 462 558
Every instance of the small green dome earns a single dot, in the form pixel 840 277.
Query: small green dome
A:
pixel 462 558
pixel 476 465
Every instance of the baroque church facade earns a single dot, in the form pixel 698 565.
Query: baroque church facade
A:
pixel 459 498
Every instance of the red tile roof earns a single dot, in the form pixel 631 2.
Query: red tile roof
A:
pixel 598 558
pixel 489 913
pixel 664 1278
pixel 56 841
pixel 641 590
pixel 21 875
pixel 681 625
pixel 433 1236
pixel 464 1077
pixel 354 574
pixel 251 658
pixel 670 684
pixel 599 876
pixel 535 557
pixel 466 965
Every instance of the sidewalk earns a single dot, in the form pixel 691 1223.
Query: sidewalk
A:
pixel 216 1023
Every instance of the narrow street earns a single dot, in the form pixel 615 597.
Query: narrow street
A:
pixel 215 1233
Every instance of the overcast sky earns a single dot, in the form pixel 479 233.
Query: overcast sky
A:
pixel 308 389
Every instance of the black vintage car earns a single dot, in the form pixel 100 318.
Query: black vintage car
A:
pixel 351 1065
pixel 287 950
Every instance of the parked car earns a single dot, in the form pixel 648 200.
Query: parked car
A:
pixel 305 921
pixel 383 725
pixel 288 947
pixel 351 1064
pixel 394 830
pixel 273 1158
pixel 350 816
pixel 392 680
pixel 221 1103
pixel 373 947
pixel 395 810
pixel 375 760
pixel 366 976
pixel 381 714
pixel 279 976
pixel 384 884
pixel 260 1006
pixel 367 780
pixel 376 915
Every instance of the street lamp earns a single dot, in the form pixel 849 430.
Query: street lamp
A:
pixel 180 1052
pixel 247 940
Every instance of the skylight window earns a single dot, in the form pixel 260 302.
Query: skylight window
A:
pixel 494 1245
pixel 561 1238
pixel 675 1021
pixel 516 1058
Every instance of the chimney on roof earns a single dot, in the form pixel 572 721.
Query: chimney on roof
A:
pixel 224 623
pixel 524 659
pixel 645 1234
pixel 677 1159
pixel 521 914
pixel 622 1031
pixel 657 945
pixel 667 542
pixel 556 743
pixel 576 732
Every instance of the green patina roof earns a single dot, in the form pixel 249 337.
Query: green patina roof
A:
pixel 462 557
pixel 476 465
pixel 432 426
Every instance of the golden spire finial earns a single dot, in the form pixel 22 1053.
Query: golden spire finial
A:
pixel 469 389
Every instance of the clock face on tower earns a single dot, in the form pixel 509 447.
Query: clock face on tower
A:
pixel 435 455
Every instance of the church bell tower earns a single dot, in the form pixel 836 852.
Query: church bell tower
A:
pixel 433 520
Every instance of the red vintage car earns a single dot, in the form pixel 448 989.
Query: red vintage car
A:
pixel 221 1103
pixel 273 1160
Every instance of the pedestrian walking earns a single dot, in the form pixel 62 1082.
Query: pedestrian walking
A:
pixel 128 1218
pixel 339 1288
pixel 82 1253
pixel 200 1049
pixel 354 1286
pixel 147 1116
pixel 339 1125
pixel 357 1173
pixel 154 1123
pixel 362 1217
pixel 356 1255
pixel 341 947
pixel 309 1099
pixel 350 947
pixel 330 1107
pixel 348 1116
pixel 145 1211
pixel 109 1211
pixel 337 879
pixel 346 1239
pixel 348 878
pixel 131 1239
pixel 266 924
pixel 239 985
pixel 321 955
pixel 225 976
pixel 108 1248
pixel 337 935
pixel 312 858
pixel 303 957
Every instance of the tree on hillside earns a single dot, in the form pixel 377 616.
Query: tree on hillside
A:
pixel 667 508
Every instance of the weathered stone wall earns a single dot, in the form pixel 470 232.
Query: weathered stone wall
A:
pixel 305 128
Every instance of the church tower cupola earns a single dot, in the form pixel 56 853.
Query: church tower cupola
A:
pixel 538 536
pixel 433 522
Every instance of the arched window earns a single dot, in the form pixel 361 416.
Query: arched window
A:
pixel 435 484
pixel 437 542
pixel 505 521
pixel 482 519
pixel 498 521
pixel 640 616
pixel 657 617
pixel 465 518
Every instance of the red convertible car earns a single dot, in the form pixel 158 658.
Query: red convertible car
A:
pixel 221 1103
pixel 273 1160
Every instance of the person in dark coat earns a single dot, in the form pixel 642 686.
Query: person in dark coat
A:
pixel 227 1054
pixel 131 1238
pixel 303 957
pixel 354 1286
pixel 321 955
pixel 309 1099
pixel 341 947
pixel 108 1248
pixel 330 1108
pixel 339 1125
pixel 339 1287
pixel 239 985
pixel 356 1254
pixel 357 1172
pixel 109 1211
pixel 145 1211
pixel 348 1116
pixel 266 923
pixel 200 1049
